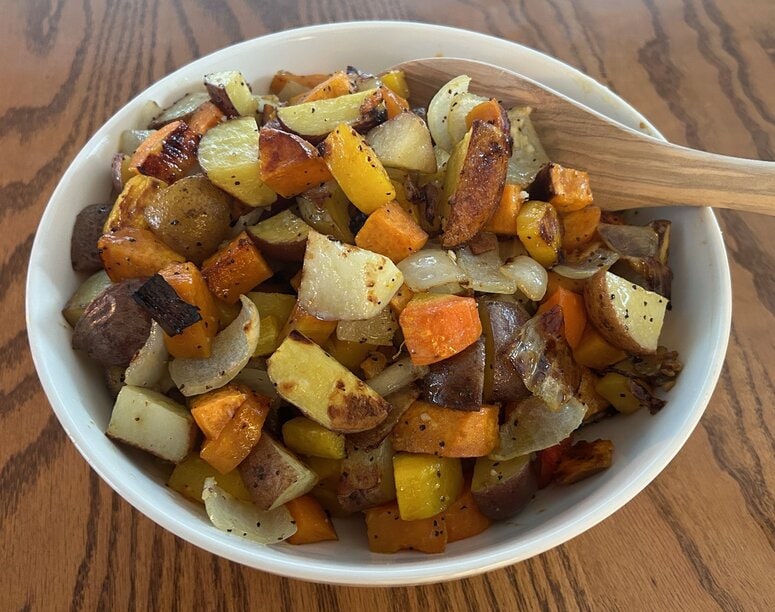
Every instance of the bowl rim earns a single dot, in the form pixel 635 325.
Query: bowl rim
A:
pixel 426 570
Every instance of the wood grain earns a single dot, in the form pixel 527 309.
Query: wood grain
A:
pixel 701 537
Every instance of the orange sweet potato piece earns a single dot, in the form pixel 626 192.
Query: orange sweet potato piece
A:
pixel 235 269
pixel 489 111
pixel 504 220
pixel 338 84
pixel 429 429
pixel 313 328
pixel 579 227
pixel 168 153
pixel 394 104
pixel 564 188
pixel 436 327
pixel 213 410
pixel 392 232
pixel 387 533
pixel 196 339
pixel 594 351
pixel 206 116
pixel 574 313
pixel 463 518
pixel 134 253
pixel 282 78
pixel 289 164
pixel 312 522
pixel 239 436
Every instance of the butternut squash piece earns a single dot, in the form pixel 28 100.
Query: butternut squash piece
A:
pixel 491 112
pixel 437 430
pixel 168 153
pixel 239 436
pixel 313 328
pixel 357 169
pixel 312 522
pixel 463 518
pixel 212 411
pixel 392 232
pixel 579 227
pixel 134 253
pixel 504 220
pixel 401 299
pixel 574 314
pixel 235 269
pixel 205 116
pixel 594 351
pixel 564 188
pixel 584 459
pixel 188 283
pixel 388 533
pixel 338 84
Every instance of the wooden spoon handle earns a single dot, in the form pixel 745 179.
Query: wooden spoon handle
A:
pixel 628 169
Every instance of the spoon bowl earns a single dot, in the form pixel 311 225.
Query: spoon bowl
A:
pixel 627 168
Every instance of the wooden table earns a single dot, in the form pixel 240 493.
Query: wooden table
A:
pixel 701 537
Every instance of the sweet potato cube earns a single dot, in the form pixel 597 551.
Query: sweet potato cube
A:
pixel 338 84
pixel 212 411
pixel 504 220
pixel 313 328
pixel 579 227
pixel 235 269
pixel 312 522
pixel 388 533
pixel 134 253
pixel 392 232
pixel 594 351
pixel 565 188
pixel 289 164
pixel 463 518
pixel 446 432
pixel 188 283
pixel 205 116
pixel 168 153
pixel 239 436
pixel 438 326
pixel 357 169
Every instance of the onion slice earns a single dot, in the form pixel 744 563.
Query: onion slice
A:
pixel 439 108
pixel 244 519
pixel 599 259
pixel 532 426
pixel 396 376
pixel 231 350
pixel 529 275
pixel 378 330
pixel 147 368
pixel 483 272
pixel 630 240
pixel 430 268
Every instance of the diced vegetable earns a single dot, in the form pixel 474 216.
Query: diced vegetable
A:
pixel 167 154
pixel 283 78
pixel 585 265
pixel 230 92
pixel 305 436
pixel 87 229
pixel 389 533
pixel 627 394
pixel 401 299
pixel 439 109
pixel 289 164
pixel 502 489
pixel 180 110
pixel 213 410
pixel 435 430
pixel 324 390
pixel 188 478
pixel 235 269
pixel 530 277
pixel 367 477
pixel 399 403
pixel 273 475
pixel 504 220
pixel 584 459
pixel 594 351
pixel 159 299
pixel 395 80
pixel 313 120
pixel 228 153
pixel 149 365
pixel 83 296
pixel 565 188
pixel 404 142
pixel 231 350
pixel 282 236
pixel 579 226
pixel 490 111
pixel 244 519
pixel 430 268
pixel 378 330
pixel 374 364
pixel 238 436
pixel 458 382
pixel 596 405
pixel 312 523
pixel 539 229
pixel 483 272
pixel 426 485
pixel 208 115
pixel 459 109
pixel 436 327
pixel 308 325
pixel 365 281
pixel 134 253
pixel 357 169
pixel 574 314
pixel 464 519
pixel 327 211
pixel 528 155
pixel 392 232
pixel 129 207
pixel 277 305
pixel 152 422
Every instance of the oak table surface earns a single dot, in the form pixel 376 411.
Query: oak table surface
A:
pixel 700 537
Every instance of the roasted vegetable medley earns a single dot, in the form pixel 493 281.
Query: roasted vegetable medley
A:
pixel 324 301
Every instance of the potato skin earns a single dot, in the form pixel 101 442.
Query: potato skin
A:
pixel 457 382
pixel 86 232
pixel 502 499
pixel 501 321
pixel 191 217
pixel 113 327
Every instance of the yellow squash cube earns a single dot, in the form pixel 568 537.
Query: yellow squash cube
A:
pixel 304 436
pixel 425 484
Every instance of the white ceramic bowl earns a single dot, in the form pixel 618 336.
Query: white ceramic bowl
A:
pixel 698 326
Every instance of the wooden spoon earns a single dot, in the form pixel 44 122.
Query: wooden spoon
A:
pixel 627 168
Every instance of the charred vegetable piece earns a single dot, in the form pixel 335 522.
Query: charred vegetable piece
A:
pixel 584 459
pixel 191 216
pixel 366 477
pixel 283 236
pixel 324 390
pixel 435 430
pixel 502 489
pixel 87 230
pixel 399 404
pixel 626 315
pixel 152 422
pixel 129 208
pixel 539 230
pixel 627 394
pixel 274 475
pixel 458 382
pixel 165 306
pixel 134 253
pixel 473 193
pixel 565 188
pixel 659 370
pixel 230 92
pixel 235 269
pixel 289 164
pixel 389 533
pixel 168 153
pixel 113 327
pixel 180 110
pixel 426 485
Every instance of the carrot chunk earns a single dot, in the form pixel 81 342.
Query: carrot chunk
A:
pixel 392 232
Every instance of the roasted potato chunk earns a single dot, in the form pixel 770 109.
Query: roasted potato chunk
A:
pixel 503 488
pixel 230 92
pixel 289 164
pixel 458 382
pixel 367 477
pixel 283 236
pixel 87 230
